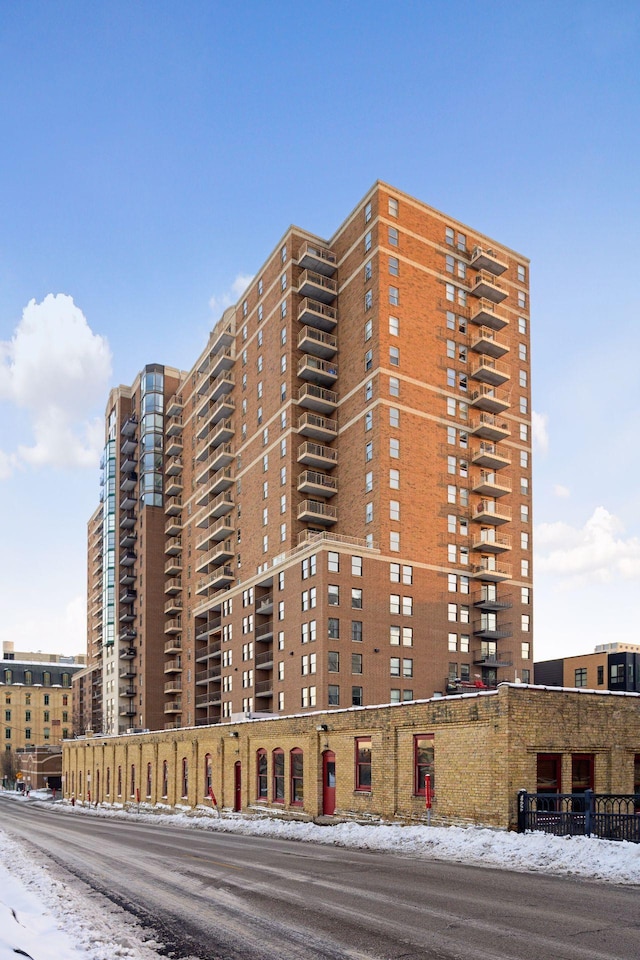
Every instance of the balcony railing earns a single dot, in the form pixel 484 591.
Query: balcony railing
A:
pixel 320 259
pixel 314 510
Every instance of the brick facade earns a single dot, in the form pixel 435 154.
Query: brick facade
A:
pixel 485 750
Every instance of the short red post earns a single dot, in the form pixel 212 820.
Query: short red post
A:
pixel 428 797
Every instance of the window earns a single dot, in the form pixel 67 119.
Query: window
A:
pixel 368 420
pixel 356 598
pixel 522 273
pixel 600 682
pixel 368 390
pixel 368 512
pixel 394 356
pixel 393 237
pixel 368 330
pixel 367 212
pixel 394 296
pixel 261 774
pixel 283 282
pixel 367 242
pixel 277 758
pixel 393 207
pixel 525 650
pixel 368 451
pixel 522 378
pixel 407 667
pixel 333 595
pixel 525 594
pixel 333 628
pixel 368 300
pixel 368 360
pixel 394 448
pixel 394 541
pixel 333 661
pixel 394 479
pixel 368 269
pixel 296 789
pixel 423 752
pixel 522 299
pixel 394 509
pixel 394 387
pixel 522 325
pixel 394 266
pixel 363 764
pixel 394 327
pixel 580 677
pixel 333 698
pixel 333 562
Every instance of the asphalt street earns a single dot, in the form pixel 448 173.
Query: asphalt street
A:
pixel 220 896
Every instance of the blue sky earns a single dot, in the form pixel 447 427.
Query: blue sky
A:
pixel 152 153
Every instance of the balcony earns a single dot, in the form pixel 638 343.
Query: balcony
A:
pixel 208 627
pixel 127 692
pixel 317 398
pixel 173 566
pixel 488 455
pixel 490 484
pixel 485 341
pixel 174 605
pixel 173 686
pixel 173 626
pixel 311 425
pixel 129 482
pixel 221 457
pixel 173 466
pixel 489 629
pixel 264 661
pixel 317 455
pixel 173 645
pixel 206 653
pixel 322 372
pixel 173 706
pixel 129 446
pixel 264 632
pixel 490 427
pixel 490 571
pixel 173 586
pixel 129 427
pixel 264 605
pixel 314 511
pixel 319 259
pixel 317 314
pixel 220 433
pixel 128 558
pixel 485 286
pixel 127 653
pixel 173 486
pixel 209 414
pixel 320 344
pixel 218 386
pixel 173 546
pixel 128 711
pixel 210 674
pixel 127 576
pixel 486 398
pixel 491 600
pixel 317 484
pixel 490 511
pixel 173 526
pixel 128 595
pixel 173 666
pixel 127 673
pixel 221 577
pixel 317 287
pixel 127 615
pixel 488 370
pixel 483 258
pixel 127 520
pixel 491 542
pixel 487 658
pixel 218 507
pixel 128 538
pixel 173 506
pixel 485 314
pixel 223 335
pixel 209 699
pixel 174 406
pixel 173 426
pixel 263 688
pixel 173 446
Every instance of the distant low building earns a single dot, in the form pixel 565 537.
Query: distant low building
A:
pixel 612 666
pixel 35 698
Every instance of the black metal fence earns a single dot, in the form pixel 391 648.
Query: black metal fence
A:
pixel 606 815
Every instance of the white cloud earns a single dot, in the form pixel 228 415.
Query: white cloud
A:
pixel 561 491
pixel 56 369
pixel 596 552
pixel 539 431
pixel 232 295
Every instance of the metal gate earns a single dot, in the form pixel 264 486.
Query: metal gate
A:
pixel 611 816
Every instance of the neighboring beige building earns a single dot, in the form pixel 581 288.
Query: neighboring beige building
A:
pixel 333 506
pixel 35 698
pixel 479 750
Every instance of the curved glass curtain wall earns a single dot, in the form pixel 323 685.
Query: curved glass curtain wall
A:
pixel 151 435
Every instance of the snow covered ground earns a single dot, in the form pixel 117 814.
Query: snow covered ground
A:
pixel 47 919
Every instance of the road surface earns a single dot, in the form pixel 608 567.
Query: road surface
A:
pixel 220 896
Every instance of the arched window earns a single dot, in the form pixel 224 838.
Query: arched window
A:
pixel 261 782
pixel 46 678
pixel 80 783
pixel 185 778
pixel 8 676
pixel 28 678
pixel 133 780
pixel 278 775
pixel 148 780
pixel 66 679
pixel 208 774
pixel 108 784
pixel 119 781
pixel 165 778
pixel 73 781
pixel 97 794
pixel 296 768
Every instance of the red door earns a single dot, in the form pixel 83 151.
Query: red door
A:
pixel 328 783
pixel 237 787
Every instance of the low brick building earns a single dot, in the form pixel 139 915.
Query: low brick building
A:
pixel 479 749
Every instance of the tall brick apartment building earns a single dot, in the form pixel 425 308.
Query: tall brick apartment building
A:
pixel 333 507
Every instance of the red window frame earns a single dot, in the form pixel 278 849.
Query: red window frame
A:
pixel 549 780
pixel 277 771
pixel 296 777
pixel 363 755
pixel 582 772
pixel 261 775
pixel 208 774
pixel 423 765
